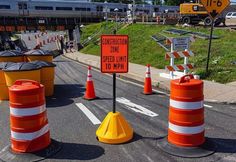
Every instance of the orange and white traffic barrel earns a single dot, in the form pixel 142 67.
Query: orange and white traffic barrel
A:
pixel 186 112
pixel 28 117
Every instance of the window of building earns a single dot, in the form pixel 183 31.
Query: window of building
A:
pixel 82 9
pixel 64 8
pixel 5 7
pixel 43 8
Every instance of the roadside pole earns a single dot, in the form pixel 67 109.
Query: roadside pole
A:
pixel 209 47
pixel 214 8
pixel 114 59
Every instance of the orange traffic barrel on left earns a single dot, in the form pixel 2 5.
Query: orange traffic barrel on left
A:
pixel 28 117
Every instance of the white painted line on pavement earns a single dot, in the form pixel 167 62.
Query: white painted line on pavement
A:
pixel 88 113
pixel 209 106
pixel 135 107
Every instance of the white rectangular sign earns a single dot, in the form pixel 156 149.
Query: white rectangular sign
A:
pixel 181 43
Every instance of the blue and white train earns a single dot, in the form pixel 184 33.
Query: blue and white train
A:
pixel 71 8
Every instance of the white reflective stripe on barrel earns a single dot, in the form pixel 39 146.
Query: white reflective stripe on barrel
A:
pixel 186 130
pixel 30 136
pixel 27 112
pixel 186 105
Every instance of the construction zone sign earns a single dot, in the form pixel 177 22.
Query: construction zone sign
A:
pixel 114 53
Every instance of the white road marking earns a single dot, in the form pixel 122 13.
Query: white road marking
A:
pixel 88 113
pixel 135 107
pixel 209 106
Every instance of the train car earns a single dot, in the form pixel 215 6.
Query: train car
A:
pixel 70 8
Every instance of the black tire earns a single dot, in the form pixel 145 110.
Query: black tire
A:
pixel 207 21
pixel 186 20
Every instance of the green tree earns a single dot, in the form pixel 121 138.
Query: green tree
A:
pixel 175 2
pixel 157 2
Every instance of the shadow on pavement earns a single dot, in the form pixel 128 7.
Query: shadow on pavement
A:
pixel 73 151
pixel 224 145
pixel 64 94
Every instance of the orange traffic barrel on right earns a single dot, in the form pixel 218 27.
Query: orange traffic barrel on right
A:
pixel 11 56
pixel 38 54
pixel 186 112
pixel 186 120
pixel 28 117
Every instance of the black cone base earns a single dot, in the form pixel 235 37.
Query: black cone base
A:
pixel 6 154
pixel 208 148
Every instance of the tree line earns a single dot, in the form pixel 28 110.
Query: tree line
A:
pixel 154 2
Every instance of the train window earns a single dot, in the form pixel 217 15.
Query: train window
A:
pixel 99 8
pixel 64 8
pixel 156 9
pixel 5 7
pixel 20 6
pixel 25 6
pixel 43 8
pixel 82 9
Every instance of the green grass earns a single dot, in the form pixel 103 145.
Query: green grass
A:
pixel 143 50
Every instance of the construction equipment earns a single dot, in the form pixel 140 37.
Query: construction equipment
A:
pixel 194 12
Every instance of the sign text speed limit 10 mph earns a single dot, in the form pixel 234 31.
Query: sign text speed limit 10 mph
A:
pixel 215 7
pixel 114 53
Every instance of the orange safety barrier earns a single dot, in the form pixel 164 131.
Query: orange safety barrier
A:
pixel 2 28
pixel 186 112
pixel 10 28
pixel 90 92
pixel 21 28
pixel 28 117
pixel 60 27
pixel 148 82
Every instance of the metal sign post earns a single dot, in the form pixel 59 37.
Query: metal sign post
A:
pixel 209 47
pixel 214 8
pixel 114 59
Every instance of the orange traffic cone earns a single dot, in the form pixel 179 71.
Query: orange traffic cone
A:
pixel 148 82
pixel 90 93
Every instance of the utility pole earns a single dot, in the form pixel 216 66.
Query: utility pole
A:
pixel 133 9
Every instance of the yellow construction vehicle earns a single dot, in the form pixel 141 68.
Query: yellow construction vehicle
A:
pixel 195 12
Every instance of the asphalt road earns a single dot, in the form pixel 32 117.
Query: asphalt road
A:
pixel 70 126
